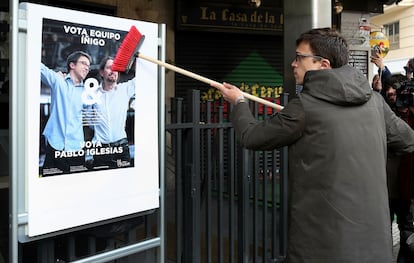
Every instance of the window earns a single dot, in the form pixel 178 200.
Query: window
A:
pixel 393 33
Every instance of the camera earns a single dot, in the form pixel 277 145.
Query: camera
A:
pixel 405 93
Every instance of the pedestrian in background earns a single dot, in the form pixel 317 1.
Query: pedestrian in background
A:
pixel 383 72
pixel 376 83
pixel 400 168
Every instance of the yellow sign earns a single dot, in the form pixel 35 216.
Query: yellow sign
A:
pixel 379 43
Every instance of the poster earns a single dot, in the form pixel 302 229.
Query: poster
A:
pixel 94 153
pixel 102 125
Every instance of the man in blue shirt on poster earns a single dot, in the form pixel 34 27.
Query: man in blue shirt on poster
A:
pixel 63 133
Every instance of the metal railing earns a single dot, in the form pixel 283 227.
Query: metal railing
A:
pixel 224 203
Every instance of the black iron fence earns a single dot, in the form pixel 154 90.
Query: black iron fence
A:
pixel 223 203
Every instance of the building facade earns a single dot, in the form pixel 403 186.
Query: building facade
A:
pixel 397 22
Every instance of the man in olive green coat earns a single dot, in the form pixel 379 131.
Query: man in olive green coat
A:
pixel 338 132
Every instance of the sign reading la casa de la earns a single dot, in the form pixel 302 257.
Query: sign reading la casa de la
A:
pixel 231 18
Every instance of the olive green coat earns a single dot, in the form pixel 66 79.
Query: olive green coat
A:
pixel 338 132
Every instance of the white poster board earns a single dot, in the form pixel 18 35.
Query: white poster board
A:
pixel 58 200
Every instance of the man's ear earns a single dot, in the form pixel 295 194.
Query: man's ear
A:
pixel 72 65
pixel 325 64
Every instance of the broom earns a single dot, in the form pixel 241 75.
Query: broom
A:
pixel 129 50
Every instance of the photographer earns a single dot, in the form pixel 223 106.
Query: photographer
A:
pixel 399 92
pixel 409 68
pixel 383 72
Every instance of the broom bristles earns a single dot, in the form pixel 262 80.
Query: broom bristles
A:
pixel 128 50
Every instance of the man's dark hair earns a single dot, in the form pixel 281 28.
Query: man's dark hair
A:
pixel 73 58
pixel 103 62
pixel 327 43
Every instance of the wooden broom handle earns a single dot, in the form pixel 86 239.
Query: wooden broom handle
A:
pixel 207 80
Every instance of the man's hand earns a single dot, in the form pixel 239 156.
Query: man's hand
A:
pixel 377 60
pixel 61 74
pixel 230 92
